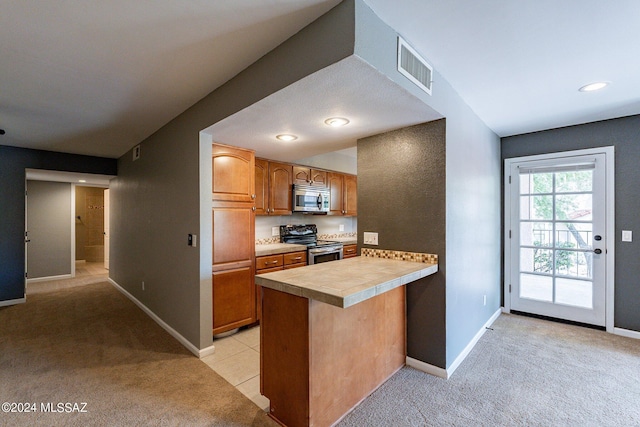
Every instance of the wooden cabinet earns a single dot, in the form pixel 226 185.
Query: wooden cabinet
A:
pixel 233 217
pixel 350 251
pixel 273 187
pixel 350 195
pixel 307 176
pixel 233 174
pixel 344 195
pixel 280 261
pixel 271 263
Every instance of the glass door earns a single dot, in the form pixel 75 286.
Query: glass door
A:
pixel 558 243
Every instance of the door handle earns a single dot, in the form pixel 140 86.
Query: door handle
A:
pixel 597 251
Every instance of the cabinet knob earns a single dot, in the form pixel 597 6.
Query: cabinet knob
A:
pixel 253 208
pixel 253 196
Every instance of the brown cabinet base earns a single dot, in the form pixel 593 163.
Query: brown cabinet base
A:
pixel 318 361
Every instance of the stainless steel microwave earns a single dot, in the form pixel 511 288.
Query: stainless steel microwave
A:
pixel 309 199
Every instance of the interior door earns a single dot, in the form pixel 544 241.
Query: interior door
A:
pixel 558 244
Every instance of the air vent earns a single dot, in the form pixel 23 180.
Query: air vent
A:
pixel 413 67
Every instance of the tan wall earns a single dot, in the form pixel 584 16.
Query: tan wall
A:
pixel 90 224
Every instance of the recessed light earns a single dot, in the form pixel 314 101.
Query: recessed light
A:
pixel 286 137
pixel 593 86
pixel 336 122
pixel 82 180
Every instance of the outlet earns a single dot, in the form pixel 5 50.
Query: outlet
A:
pixel 484 300
pixel 143 285
pixel 627 236
pixel 341 227
pixel 370 238
pixel 275 231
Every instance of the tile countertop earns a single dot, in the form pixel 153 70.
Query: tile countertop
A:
pixel 278 248
pixel 346 282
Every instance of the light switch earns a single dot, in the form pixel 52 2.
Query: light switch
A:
pixel 370 238
pixel 627 236
pixel 341 227
pixel 275 231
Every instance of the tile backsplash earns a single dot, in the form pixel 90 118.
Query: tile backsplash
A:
pixel 400 255
pixel 328 225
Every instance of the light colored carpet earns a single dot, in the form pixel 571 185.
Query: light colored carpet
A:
pixel 89 344
pixel 525 372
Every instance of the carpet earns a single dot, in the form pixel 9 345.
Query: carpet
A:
pixel 524 372
pixel 87 356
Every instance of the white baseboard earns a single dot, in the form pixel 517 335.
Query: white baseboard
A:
pixel 446 373
pixel 426 367
pixel 626 333
pixel 182 340
pixel 13 302
pixel 46 279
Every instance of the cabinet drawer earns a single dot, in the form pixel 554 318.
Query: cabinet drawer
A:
pixel 295 258
pixel 269 261
pixel 350 251
pixel 268 270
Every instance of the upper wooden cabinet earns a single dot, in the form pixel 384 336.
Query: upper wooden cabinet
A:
pixel 233 174
pixel 350 195
pixel 307 176
pixel 273 187
pixel 262 186
pixel 344 195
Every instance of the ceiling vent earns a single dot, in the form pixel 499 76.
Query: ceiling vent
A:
pixel 414 67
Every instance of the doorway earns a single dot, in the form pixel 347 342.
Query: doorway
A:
pixel 559 236
pixel 77 256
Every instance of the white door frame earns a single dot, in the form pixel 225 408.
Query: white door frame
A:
pixel 609 153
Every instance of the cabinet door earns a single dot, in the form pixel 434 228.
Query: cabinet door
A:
pixel 234 299
pixel 307 176
pixel 350 195
pixel 318 178
pixel 335 183
pixel 233 236
pixel 262 186
pixel 233 267
pixel 233 174
pixel 280 191
pixel 301 175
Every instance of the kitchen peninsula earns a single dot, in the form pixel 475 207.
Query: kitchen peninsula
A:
pixel 333 332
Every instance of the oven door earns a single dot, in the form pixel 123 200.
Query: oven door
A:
pixel 325 254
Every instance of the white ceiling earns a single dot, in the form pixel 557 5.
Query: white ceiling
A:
pixel 93 77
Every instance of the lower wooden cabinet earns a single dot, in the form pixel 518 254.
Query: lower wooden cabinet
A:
pixel 234 302
pixel 350 251
pixel 271 263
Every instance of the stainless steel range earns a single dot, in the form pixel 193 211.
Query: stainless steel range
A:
pixel 317 250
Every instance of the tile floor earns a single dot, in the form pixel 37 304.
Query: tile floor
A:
pixel 237 360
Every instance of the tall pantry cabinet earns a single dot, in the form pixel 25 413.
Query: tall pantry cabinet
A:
pixel 234 300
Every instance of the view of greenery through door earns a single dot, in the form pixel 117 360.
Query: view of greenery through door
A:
pixel 556 232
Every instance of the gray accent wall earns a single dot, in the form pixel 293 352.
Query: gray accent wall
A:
pixel 49 219
pixel 162 197
pixel 402 197
pixel 13 162
pixel 624 135
pixel 472 202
